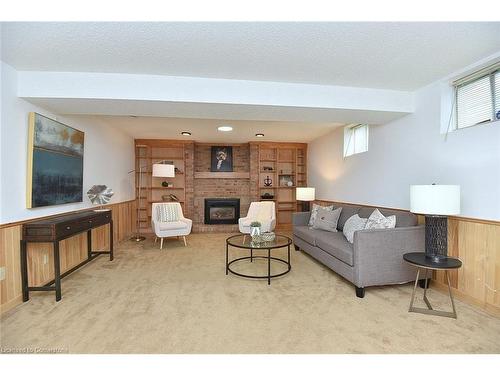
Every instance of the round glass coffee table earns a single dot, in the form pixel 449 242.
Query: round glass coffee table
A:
pixel 244 241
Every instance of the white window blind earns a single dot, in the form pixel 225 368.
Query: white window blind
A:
pixel 355 139
pixel 477 98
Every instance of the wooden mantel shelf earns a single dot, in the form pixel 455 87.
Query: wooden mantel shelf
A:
pixel 240 175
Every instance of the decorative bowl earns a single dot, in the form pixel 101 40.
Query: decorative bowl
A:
pixel 267 236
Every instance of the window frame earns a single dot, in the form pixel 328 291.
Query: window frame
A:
pixel 490 73
pixel 349 132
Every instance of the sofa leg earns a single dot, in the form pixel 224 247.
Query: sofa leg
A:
pixel 185 244
pixel 296 247
pixel 360 292
pixel 161 243
pixel 421 283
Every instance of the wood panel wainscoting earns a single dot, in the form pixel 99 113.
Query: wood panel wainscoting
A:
pixel 72 252
pixel 477 243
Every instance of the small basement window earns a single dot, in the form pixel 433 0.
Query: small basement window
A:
pixel 477 98
pixel 355 139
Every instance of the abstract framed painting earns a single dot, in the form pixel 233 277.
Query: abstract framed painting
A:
pixel 55 163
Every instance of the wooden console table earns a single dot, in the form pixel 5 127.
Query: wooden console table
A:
pixel 56 229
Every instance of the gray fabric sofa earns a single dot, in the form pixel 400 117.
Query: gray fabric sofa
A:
pixel 375 257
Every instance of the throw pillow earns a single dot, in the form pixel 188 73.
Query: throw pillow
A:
pixel 378 221
pixel 314 212
pixel 167 213
pixel 353 224
pixel 327 220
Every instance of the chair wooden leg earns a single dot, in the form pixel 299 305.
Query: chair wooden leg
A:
pixel 185 243
pixel 161 243
pixel 156 239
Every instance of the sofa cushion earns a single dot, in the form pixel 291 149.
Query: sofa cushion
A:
pixel 172 225
pixel 353 224
pixel 336 245
pixel 403 218
pixel 314 212
pixel 379 221
pixel 306 233
pixel 347 212
pixel 327 220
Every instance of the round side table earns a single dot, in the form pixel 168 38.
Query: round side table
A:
pixel 421 261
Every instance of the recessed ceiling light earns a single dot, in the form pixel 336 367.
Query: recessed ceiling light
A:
pixel 259 134
pixel 186 133
pixel 225 128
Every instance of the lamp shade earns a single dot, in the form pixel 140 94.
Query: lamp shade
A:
pixel 435 199
pixel 306 194
pixel 163 170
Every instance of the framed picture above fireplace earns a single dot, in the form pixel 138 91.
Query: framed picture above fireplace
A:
pixel 221 159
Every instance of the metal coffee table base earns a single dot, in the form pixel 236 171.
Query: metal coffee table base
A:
pixel 429 310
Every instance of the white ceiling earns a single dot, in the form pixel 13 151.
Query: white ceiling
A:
pixel 206 130
pixel 401 56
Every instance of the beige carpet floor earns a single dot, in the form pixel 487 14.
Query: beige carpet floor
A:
pixel 179 300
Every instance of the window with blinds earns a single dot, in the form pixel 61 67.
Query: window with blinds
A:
pixel 478 98
pixel 355 139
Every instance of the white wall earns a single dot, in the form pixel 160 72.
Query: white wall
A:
pixel 412 150
pixel 108 155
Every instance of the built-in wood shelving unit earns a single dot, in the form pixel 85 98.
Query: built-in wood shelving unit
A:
pixel 147 153
pixel 285 165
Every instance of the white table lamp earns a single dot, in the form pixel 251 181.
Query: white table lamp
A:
pixel 306 195
pixel 436 202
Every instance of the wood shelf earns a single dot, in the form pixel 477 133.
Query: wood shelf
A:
pixel 234 175
pixel 149 151
pixel 289 157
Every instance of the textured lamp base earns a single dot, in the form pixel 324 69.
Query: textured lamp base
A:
pixel 306 206
pixel 436 238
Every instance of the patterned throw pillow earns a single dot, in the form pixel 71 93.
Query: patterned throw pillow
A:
pixel 314 212
pixel 353 224
pixel 327 220
pixel 167 213
pixel 378 221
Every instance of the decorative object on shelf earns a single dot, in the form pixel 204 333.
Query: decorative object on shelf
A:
pixel 268 181
pixel 267 196
pixel 163 168
pixel 255 229
pixel 167 184
pixel 436 202
pixel 286 181
pixel 177 170
pixel 55 163
pixel 268 168
pixel 99 195
pixel 306 195
pixel 222 159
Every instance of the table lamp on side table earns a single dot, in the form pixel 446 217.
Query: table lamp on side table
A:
pixel 306 195
pixel 436 202
pixel 163 168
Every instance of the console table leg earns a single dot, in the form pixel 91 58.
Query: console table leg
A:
pixel 89 244
pixel 57 271
pixel 24 271
pixel 111 256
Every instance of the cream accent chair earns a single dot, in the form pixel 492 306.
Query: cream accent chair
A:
pixel 262 212
pixel 182 227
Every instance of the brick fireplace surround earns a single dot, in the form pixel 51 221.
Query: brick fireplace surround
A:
pixel 245 159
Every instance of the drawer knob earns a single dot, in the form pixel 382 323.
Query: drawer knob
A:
pixel 68 227
pixel 90 221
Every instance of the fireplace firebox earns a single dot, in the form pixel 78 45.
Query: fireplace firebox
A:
pixel 222 210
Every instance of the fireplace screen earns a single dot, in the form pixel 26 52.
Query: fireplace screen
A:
pixel 222 211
